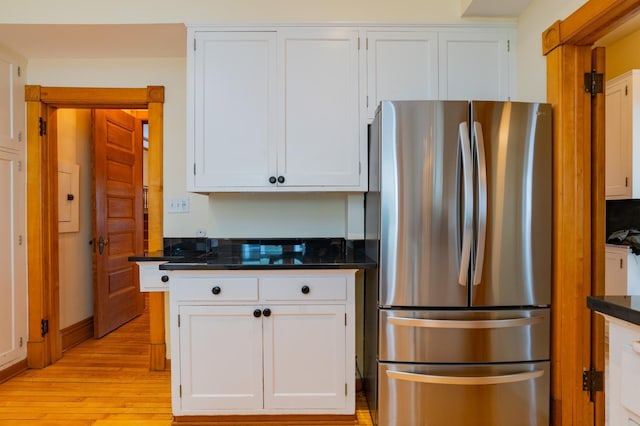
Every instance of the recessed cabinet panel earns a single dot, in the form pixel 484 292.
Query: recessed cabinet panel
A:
pixel 221 368
pixel 234 90
pixel 474 65
pixel 321 130
pixel 310 375
pixel 401 65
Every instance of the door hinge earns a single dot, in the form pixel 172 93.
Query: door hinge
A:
pixel 345 389
pixel 194 169
pixel 593 82
pixel 194 44
pixel 178 320
pixel 508 45
pixel 626 181
pixel 592 382
pixel 358 43
pixel 19 136
pixel 42 127
pixel 44 327
pixel 180 390
pixel 19 240
pixel 367 43
pixel 21 342
pixel 345 320
pixel 19 71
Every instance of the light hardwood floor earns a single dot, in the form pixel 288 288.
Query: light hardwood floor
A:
pixel 103 382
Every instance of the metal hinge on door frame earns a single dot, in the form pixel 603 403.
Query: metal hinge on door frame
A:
pixel 593 82
pixel 42 126
pixel 44 327
pixel 592 382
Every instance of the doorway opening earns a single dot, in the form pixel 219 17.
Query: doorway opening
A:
pixel 43 103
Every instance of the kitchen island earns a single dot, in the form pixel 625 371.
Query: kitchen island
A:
pixel 260 327
pixel 622 315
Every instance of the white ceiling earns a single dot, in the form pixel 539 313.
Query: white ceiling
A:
pixel 95 41
pixel 496 8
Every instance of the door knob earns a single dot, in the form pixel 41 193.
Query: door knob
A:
pixel 266 312
pixel 216 290
pixel 272 179
pixel 280 179
pixel 102 243
pixel 305 289
pixel 257 313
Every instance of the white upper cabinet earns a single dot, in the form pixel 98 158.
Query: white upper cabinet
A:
pixel 320 146
pixel 275 111
pixel 286 107
pixel 401 65
pixel 474 64
pixel 233 88
pixel 622 137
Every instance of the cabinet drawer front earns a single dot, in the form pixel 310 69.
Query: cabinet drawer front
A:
pixel 304 288
pixel 212 289
pixel 151 277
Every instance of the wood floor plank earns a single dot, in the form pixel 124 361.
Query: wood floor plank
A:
pixel 100 382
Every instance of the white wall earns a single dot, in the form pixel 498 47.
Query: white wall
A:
pixel 76 278
pixel 531 65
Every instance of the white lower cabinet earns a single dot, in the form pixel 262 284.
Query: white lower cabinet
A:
pixel 623 372
pixel 270 343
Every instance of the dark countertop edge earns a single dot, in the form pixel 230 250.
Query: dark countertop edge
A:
pixel 248 267
pixel 616 307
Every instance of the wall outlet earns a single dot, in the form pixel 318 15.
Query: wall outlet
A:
pixel 178 205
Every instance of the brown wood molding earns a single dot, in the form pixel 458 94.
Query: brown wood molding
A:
pixel 155 94
pixel 598 227
pixel 76 333
pixel 276 419
pixel 13 370
pixel 42 221
pixel 589 23
pixel 95 97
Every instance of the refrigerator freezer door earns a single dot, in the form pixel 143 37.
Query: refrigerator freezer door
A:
pixel 512 244
pixel 480 395
pixel 464 336
pixel 421 202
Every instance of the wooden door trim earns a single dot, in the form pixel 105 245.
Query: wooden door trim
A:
pixel 42 213
pixel 578 204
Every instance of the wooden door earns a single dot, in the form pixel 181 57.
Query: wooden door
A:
pixel 117 218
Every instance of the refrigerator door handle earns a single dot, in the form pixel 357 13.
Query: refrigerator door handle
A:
pixel 478 139
pixel 467 179
pixel 456 380
pixel 466 324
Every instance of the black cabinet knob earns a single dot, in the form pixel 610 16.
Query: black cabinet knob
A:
pixel 257 313
pixel 305 289
pixel 266 312
pixel 280 179
pixel 164 278
pixel 216 290
pixel 272 179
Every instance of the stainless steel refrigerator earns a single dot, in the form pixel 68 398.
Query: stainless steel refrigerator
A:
pixel 459 216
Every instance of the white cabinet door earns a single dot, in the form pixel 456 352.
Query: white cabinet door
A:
pixel 304 357
pixel 401 65
pixel 615 267
pixel 474 65
pixel 220 358
pixel 618 140
pixel 320 144
pixel 234 110
pixel 13 280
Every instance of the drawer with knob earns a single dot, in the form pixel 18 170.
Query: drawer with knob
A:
pixel 216 289
pixel 152 278
pixel 301 288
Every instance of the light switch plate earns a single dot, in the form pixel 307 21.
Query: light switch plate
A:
pixel 178 205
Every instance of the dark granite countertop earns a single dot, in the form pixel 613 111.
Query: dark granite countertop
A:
pixel 262 254
pixel 626 308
